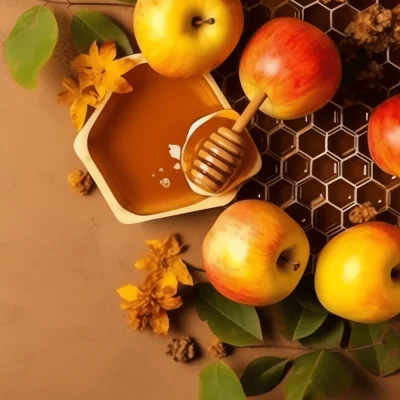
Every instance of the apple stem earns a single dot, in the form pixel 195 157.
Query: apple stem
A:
pixel 198 21
pixel 293 264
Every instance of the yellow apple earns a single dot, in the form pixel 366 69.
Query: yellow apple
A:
pixel 255 253
pixel 183 38
pixel 358 273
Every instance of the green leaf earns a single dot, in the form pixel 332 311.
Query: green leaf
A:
pixel 298 322
pixel 306 297
pixel 383 359
pixel 219 382
pixel 318 375
pixel 262 375
pixel 232 323
pixel 89 26
pixel 328 336
pixel 30 45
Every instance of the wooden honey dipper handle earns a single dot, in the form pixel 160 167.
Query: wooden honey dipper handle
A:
pixel 249 112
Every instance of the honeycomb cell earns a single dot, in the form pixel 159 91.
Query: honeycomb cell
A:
pixel 266 122
pixel 298 124
pixel 317 240
pixel 287 10
pixel 391 76
pixel 394 91
pixel 229 65
pixel 281 193
pixel 363 145
pixel 305 2
pixel 233 87
pixel 312 143
pixel 257 17
pixel 362 4
pixel 389 217
pixel 335 36
pixel 373 98
pixel 356 170
pixel 311 193
pixel 394 199
pixel 319 16
pixel 394 56
pixel 342 17
pixel 270 168
pixel 282 142
pixel 374 193
pixel 342 144
pixel 219 79
pixel 296 167
pixel 356 117
pixel 250 3
pixel 331 4
pixel 389 4
pixel 346 216
pixel 300 214
pixel 251 190
pixel 325 168
pixel 240 105
pixel 383 178
pixel 271 4
pixel 341 193
pixel 327 218
pixel 328 117
pixel 259 137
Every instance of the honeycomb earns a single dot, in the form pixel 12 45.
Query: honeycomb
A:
pixel 317 168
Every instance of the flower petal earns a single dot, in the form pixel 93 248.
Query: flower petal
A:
pixel 134 320
pixel 70 85
pixel 117 84
pixel 94 51
pixel 66 98
pixel 82 64
pixel 129 292
pixel 172 246
pixel 160 323
pixel 122 66
pixel 108 51
pixel 167 285
pixel 171 303
pixel 78 113
pixel 101 90
pixel 179 269
pixel 148 263
pixel 156 246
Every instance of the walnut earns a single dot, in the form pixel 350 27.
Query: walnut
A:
pixel 220 350
pixel 182 350
pixel 81 182
pixel 364 213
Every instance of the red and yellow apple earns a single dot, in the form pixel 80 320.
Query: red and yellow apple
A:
pixel 358 273
pixel 295 64
pixel 183 38
pixel 384 136
pixel 255 253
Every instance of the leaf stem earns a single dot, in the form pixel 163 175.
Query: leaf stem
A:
pixel 70 3
pixel 334 350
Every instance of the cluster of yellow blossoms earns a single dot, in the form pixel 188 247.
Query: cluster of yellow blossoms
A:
pixel 95 74
pixel 147 304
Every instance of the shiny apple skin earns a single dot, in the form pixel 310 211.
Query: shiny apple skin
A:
pixel 384 136
pixel 295 64
pixel 354 273
pixel 241 251
pixel 176 49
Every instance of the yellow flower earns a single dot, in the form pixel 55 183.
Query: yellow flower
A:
pixel 148 304
pixel 99 68
pixel 165 258
pixel 78 98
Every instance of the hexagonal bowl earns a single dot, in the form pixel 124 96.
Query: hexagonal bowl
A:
pixel 107 186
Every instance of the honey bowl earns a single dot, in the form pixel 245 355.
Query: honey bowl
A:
pixel 131 144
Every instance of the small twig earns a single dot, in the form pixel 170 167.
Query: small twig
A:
pixel 293 264
pixel 70 3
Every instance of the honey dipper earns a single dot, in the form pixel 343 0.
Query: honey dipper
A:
pixel 218 157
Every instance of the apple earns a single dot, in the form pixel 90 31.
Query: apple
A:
pixel 184 38
pixel 295 64
pixel 255 253
pixel 358 273
pixel 384 136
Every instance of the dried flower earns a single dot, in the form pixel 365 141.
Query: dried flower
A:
pixel 78 98
pixel 220 350
pixel 364 213
pixel 182 350
pixel 165 258
pixel 148 304
pixel 99 68
pixel 81 182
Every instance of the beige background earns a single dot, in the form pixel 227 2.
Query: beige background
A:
pixel 62 256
